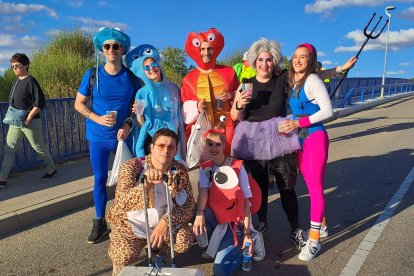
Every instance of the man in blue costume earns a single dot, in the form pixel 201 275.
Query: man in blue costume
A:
pixel 107 119
pixel 161 98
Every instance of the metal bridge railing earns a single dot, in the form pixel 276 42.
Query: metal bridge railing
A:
pixel 63 132
pixel 361 94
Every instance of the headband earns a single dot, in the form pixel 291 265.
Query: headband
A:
pixel 219 131
pixel 307 46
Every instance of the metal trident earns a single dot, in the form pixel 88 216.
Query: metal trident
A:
pixel 368 37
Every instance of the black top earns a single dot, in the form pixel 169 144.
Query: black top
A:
pixel 268 99
pixel 27 94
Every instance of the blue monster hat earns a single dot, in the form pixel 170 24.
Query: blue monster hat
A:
pixel 135 61
pixel 142 50
pixel 115 34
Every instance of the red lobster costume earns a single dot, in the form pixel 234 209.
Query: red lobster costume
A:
pixel 207 80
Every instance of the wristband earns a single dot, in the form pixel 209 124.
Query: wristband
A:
pixel 238 108
pixel 128 121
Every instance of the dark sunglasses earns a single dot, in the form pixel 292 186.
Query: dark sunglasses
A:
pixel 16 66
pixel 211 144
pixel 154 64
pixel 114 46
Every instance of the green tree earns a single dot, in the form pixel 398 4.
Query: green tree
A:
pixel 233 57
pixel 6 84
pixel 174 64
pixel 286 63
pixel 60 64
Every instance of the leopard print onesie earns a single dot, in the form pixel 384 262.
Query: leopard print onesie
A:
pixel 125 247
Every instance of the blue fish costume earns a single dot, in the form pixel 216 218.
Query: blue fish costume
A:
pixel 162 102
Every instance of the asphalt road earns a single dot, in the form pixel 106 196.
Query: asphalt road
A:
pixel 371 154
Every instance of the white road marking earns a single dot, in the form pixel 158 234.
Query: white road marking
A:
pixel 358 259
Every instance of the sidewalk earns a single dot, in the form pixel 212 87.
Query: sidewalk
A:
pixel 27 200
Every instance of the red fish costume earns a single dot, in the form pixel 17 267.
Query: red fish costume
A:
pixel 225 196
pixel 198 85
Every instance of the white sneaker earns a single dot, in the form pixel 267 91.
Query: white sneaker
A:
pixel 309 251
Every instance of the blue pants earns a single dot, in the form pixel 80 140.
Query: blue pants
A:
pixel 229 257
pixel 99 154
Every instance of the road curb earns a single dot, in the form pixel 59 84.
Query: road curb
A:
pixel 20 219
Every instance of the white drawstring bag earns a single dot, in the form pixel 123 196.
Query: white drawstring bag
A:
pixel 121 156
pixel 195 144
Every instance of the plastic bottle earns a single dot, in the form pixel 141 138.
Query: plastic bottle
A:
pixel 202 239
pixel 247 258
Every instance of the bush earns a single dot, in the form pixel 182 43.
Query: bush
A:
pixel 6 85
pixel 233 57
pixel 60 65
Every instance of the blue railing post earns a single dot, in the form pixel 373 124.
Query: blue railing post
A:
pixel 362 95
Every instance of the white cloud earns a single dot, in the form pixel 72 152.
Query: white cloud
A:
pixel 76 4
pixel 2 69
pixel 321 54
pixel 14 25
pixel 7 40
pixel 99 23
pixel 398 40
pixel 407 14
pixel 105 4
pixel 326 6
pixel 400 72
pixel 406 64
pixel 326 62
pixel 12 41
pixel 5 55
pixel 13 8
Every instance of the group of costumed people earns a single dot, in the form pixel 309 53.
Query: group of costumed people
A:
pixel 251 137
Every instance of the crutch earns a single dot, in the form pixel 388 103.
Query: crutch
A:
pixel 155 266
pixel 144 191
pixel 368 37
pixel 167 191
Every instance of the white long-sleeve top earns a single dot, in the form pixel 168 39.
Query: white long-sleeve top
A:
pixel 316 92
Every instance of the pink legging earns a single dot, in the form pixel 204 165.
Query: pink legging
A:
pixel 312 161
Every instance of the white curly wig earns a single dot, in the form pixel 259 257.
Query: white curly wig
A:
pixel 269 46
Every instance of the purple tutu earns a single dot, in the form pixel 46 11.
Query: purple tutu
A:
pixel 262 141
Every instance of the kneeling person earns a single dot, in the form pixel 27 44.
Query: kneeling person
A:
pixel 126 216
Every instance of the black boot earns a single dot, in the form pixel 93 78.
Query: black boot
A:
pixel 99 230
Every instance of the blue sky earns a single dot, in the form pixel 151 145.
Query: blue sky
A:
pixel 334 27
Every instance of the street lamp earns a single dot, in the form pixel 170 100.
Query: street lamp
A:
pixel 389 8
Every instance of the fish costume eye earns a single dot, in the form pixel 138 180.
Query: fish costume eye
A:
pixel 226 178
pixel 211 37
pixel 147 52
pixel 196 42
